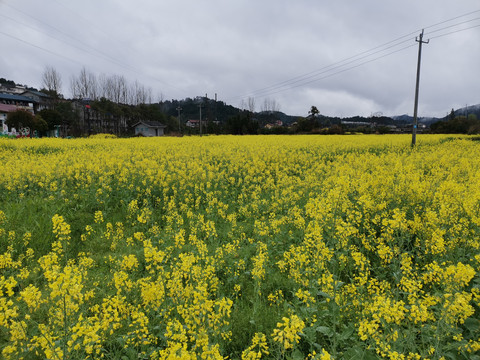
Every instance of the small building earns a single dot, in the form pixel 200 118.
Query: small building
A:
pixel 277 123
pixel 12 89
pixel 149 128
pixel 192 123
pixel 40 100
pixel 4 110
pixel 21 102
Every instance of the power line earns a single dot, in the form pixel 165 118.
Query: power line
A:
pixel 313 76
pixel 91 23
pixel 104 56
pixel 39 47
pixel 454 32
pixel 340 71
pixel 450 26
pixel 100 54
pixel 309 76
pixel 54 29
pixel 451 19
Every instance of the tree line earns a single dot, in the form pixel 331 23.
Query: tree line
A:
pixel 457 124
pixel 87 85
pixel 111 104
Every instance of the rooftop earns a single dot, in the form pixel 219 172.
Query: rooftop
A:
pixel 12 97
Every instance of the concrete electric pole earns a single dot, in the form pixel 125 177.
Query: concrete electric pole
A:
pixel 415 118
pixel 179 127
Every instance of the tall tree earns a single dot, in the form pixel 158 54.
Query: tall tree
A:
pixel 85 85
pixel 313 112
pixel 23 119
pixel 52 117
pixel 20 118
pixel 251 104
pixel 52 81
pixel 270 105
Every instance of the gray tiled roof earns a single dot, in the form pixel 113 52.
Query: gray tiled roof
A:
pixel 151 124
pixel 12 97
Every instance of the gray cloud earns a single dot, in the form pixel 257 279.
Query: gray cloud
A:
pixel 187 48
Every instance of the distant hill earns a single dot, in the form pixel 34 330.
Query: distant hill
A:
pixel 409 119
pixel 465 111
pixel 468 110
pixel 220 112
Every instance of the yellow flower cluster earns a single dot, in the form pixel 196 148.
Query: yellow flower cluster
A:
pixel 287 332
pixel 219 247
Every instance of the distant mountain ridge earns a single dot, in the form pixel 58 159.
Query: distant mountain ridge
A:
pixel 465 111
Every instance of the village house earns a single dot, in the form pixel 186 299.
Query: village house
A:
pixel 277 123
pixel 193 123
pixel 10 103
pixel 12 89
pixel 149 128
pixel 4 110
pixel 21 102
pixel 40 100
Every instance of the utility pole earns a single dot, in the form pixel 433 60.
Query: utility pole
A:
pixel 216 108
pixel 200 122
pixel 179 109
pixel 415 119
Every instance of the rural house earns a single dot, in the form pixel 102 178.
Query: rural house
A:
pixel 4 110
pixel 149 128
pixel 21 102
pixel 40 100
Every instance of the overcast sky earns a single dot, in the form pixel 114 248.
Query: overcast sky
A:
pixel 345 57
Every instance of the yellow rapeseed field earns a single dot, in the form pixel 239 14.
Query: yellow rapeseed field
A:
pixel 274 247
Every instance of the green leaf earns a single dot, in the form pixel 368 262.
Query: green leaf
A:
pixel 324 294
pixel 333 308
pixel 309 333
pixel 359 354
pixel 325 330
pixel 353 354
pixel 472 324
pixel 346 333
pixel 297 355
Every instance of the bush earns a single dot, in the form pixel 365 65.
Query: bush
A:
pixel 103 136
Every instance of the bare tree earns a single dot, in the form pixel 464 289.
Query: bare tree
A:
pixel 104 86
pixel 74 87
pixel 243 104
pixel 112 87
pixel 120 87
pixel 132 94
pixel 251 104
pixel 140 94
pixel 51 80
pixel 270 105
pixel 275 106
pixel 85 85
pixel 149 95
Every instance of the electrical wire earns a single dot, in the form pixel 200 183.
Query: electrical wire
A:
pixel 101 55
pixel 454 18
pixel 39 47
pixel 326 68
pixel 343 70
pixel 93 51
pixel 454 32
pixel 315 75
pixel 291 83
